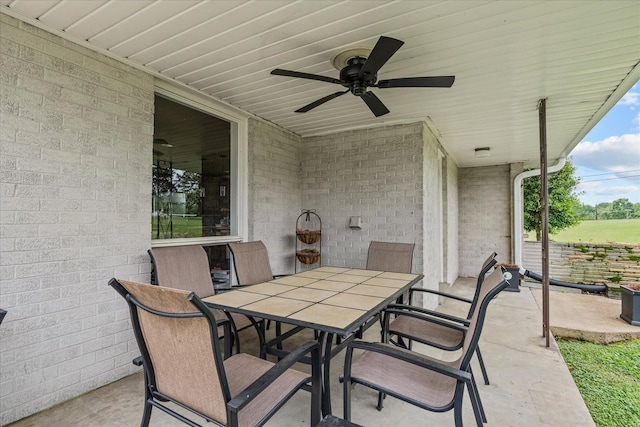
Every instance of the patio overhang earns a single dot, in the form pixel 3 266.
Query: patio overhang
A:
pixel 581 56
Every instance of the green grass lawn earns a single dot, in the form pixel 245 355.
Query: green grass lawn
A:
pixel 608 377
pixel 601 231
pixel 190 226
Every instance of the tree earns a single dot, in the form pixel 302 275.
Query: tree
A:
pixel 190 183
pixel 621 209
pixel 563 201
pixel 586 212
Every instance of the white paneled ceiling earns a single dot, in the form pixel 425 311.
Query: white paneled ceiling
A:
pixel 506 55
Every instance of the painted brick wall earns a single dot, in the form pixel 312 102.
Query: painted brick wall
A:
pixel 452 221
pixel 484 216
pixel 433 189
pixel 378 174
pixel 75 186
pixel 274 191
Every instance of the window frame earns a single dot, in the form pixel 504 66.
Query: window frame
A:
pixel 239 162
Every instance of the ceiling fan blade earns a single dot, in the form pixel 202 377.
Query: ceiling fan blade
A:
pixel 287 73
pixel 382 51
pixel 441 81
pixel 320 101
pixel 375 105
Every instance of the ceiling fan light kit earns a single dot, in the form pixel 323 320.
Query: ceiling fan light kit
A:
pixel 359 71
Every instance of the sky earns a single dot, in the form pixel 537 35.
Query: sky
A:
pixel 607 160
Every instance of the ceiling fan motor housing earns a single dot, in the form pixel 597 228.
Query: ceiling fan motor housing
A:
pixel 350 75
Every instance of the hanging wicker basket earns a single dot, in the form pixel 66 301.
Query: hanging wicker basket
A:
pixel 308 256
pixel 308 236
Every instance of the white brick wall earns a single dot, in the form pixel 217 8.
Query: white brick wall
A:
pixel 274 191
pixel 484 216
pixel 374 173
pixel 383 175
pixel 75 185
pixel 452 221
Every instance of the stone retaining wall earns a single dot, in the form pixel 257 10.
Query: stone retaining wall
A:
pixel 608 263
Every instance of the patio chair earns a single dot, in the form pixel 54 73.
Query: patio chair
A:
pixel 251 262
pixel 252 266
pixel 434 328
pixel 187 268
pixel 2 314
pixel 177 337
pixel 417 379
pixel 387 256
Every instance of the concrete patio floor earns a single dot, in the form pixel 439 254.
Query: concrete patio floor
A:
pixel 530 384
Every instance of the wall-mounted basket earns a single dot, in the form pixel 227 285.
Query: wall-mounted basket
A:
pixel 308 256
pixel 308 236
pixel 308 239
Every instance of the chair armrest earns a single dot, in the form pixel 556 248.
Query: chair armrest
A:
pixel 413 358
pixel 252 391
pixel 426 311
pixel 423 317
pixel 442 294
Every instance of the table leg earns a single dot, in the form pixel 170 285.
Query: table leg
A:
pixel 325 340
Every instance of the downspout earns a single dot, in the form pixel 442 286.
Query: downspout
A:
pixel 518 220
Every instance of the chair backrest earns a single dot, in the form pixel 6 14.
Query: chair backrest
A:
pixel 486 266
pixel 490 287
pixel 387 256
pixel 251 262
pixel 179 346
pixel 183 267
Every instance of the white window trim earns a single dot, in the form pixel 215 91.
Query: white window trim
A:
pixel 239 155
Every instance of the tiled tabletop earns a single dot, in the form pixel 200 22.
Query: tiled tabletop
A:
pixel 330 299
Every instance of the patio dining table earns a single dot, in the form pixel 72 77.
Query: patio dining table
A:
pixel 332 301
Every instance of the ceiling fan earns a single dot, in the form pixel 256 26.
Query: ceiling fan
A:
pixel 360 73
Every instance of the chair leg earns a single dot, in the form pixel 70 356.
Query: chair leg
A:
pixel 482 367
pixel 146 414
pixel 381 397
pixel 476 405
pixel 457 410
pixel 346 386
pixel 476 392
pixel 347 401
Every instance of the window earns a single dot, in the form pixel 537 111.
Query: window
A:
pixel 192 173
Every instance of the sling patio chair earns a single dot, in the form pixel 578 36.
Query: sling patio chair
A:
pixel 251 262
pixel 435 328
pixel 388 256
pixel 418 379
pixel 187 268
pixel 252 266
pixel 178 339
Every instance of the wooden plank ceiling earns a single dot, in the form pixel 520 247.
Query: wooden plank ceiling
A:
pixel 506 55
